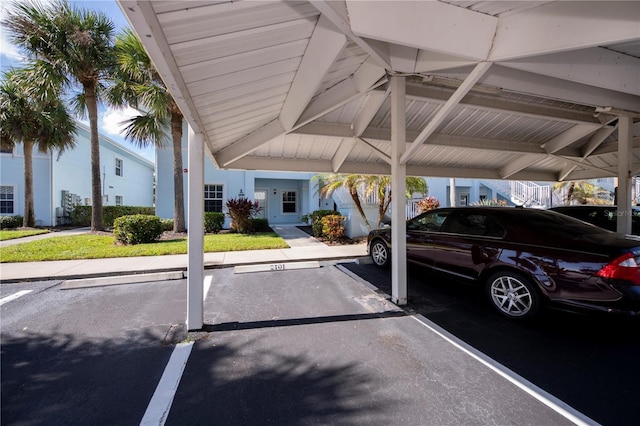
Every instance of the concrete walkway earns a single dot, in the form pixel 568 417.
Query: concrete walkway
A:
pixel 302 248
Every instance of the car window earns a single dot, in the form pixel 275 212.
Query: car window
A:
pixel 429 221
pixel 474 224
pixel 558 225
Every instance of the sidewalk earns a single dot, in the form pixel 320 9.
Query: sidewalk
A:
pixel 302 248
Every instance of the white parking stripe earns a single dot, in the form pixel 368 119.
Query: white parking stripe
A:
pixel 544 397
pixel 207 284
pixel 14 296
pixel 160 404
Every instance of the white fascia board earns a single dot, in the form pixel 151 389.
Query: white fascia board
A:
pixel 519 165
pixel 428 25
pixel 366 78
pixel 594 67
pixel 324 47
pixel 144 22
pixel 249 143
pixel 568 137
pixel 565 25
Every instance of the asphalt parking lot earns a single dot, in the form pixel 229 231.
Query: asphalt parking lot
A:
pixel 314 346
pixel 586 360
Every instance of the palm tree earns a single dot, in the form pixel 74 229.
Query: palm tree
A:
pixel 582 192
pixel 365 185
pixel 75 47
pixel 381 185
pixel 329 183
pixel 138 84
pixel 43 123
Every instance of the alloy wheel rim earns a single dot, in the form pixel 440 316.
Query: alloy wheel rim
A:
pixel 379 254
pixel 511 296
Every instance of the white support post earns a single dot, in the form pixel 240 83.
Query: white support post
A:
pixel 195 266
pixel 398 190
pixel 624 175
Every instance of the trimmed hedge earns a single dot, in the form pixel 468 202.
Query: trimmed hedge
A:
pixel 137 229
pixel 167 224
pixel 213 222
pixel 10 222
pixel 316 220
pixel 81 215
pixel 260 225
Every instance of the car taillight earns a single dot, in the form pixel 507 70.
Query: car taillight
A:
pixel 623 268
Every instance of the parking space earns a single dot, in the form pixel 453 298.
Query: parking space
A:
pixel 310 346
pixel 583 359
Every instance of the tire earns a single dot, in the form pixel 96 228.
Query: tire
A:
pixel 380 254
pixel 513 295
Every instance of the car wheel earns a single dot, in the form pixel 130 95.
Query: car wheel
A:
pixel 379 253
pixel 513 295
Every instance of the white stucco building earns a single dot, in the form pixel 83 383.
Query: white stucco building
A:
pixel 63 178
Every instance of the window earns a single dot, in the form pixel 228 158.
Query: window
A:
pixel 6 200
pixel 118 167
pixel 6 150
pixel 118 200
pixel 289 204
pixel 430 221
pixel 213 198
pixel 475 224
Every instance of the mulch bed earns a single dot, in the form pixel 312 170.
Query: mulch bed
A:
pixel 339 242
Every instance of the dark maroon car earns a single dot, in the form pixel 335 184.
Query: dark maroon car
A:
pixel 524 258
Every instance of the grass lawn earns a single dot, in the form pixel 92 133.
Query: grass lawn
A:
pixel 90 246
pixel 10 235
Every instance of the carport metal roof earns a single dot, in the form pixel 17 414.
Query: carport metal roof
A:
pixel 527 90
pixel 303 85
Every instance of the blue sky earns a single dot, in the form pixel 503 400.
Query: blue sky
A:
pixel 109 118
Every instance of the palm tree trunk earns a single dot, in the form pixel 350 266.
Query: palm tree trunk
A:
pixel 356 199
pixel 97 223
pixel 178 200
pixel 29 219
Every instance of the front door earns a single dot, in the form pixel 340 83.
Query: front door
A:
pixel 260 195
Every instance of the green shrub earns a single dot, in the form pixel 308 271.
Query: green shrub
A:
pixel 10 222
pixel 316 220
pixel 241 211
pixel 81 215
pixel 137 229
pixel 167 224
pixel 333 226
pixel 260 225
pixel 213 222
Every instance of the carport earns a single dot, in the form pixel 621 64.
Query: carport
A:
pixel 539 90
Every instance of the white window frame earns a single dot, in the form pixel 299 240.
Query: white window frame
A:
pixel 119 168
pixel 119 200
pixel 282 201
pixel 222 198
pixel 13 198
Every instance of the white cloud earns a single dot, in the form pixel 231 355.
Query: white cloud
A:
pixel 112 120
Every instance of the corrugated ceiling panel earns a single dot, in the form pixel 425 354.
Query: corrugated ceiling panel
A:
pixel 209 21
pixel 204 49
